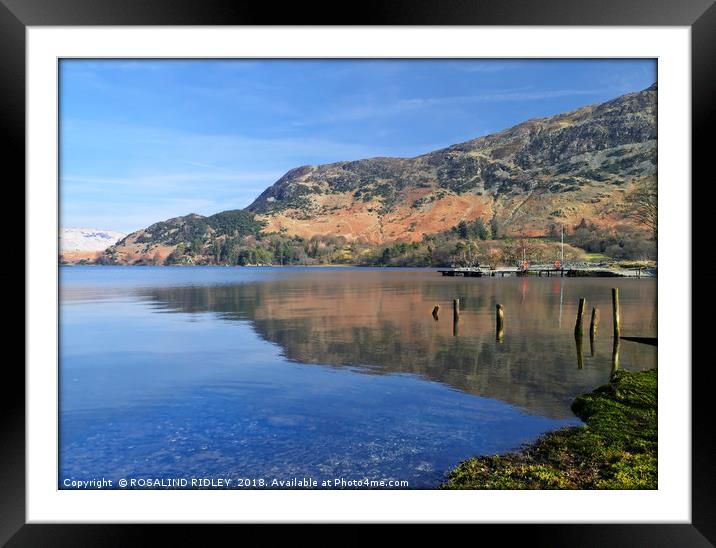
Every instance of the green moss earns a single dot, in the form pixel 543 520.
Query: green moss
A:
pixel 595 257
pixel 616 449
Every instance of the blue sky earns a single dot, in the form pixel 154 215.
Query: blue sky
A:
pixel 145 140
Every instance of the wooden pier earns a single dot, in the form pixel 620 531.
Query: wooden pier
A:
pixel 546 271
pixel 502 272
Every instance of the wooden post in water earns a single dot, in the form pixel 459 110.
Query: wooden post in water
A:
pixel 435 312
pixel 594 324
pixel 499 322
pixel 455 315
pixel 616 313
pixel 578 329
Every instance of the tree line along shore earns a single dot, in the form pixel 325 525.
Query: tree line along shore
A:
pixel 465 245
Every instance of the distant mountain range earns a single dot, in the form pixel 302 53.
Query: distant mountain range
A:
pixel 88 239
pixel 520 181
pixel 85 244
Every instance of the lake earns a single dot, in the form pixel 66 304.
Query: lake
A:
pixel 272 376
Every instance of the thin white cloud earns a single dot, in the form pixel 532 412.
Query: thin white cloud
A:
pixel 375 109
pixel 111 216
pixel 171 179
pixel 228 151
pixel 498 97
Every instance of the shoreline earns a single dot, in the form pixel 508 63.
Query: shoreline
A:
pixel 590 272
pixel 615 449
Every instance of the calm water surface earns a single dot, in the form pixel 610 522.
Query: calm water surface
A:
pixel 208 372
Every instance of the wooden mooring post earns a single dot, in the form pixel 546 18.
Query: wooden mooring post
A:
pixel 578 327
pixel 499 322
pixel 455 316
pixel 594 324
pixel 616 312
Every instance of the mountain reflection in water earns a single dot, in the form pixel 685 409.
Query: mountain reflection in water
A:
pixel 382 322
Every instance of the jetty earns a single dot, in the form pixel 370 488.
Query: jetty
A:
pixel 549 270
pixel 480 272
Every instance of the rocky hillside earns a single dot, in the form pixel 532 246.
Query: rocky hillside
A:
pixel 520 181
pixel 156 243
pixel 555 169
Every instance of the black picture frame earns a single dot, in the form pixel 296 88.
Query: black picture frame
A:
pixel 699 15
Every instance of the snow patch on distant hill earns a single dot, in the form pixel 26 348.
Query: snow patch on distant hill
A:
pixel 88 239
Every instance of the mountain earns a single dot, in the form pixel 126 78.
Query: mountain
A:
pixel 84 244
pixel 520 181
pixel 88 239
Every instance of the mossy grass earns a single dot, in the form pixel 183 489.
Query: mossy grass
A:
pixel 615 449
pixel 595 257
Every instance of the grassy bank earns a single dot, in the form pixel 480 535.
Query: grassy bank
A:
pixel 616 449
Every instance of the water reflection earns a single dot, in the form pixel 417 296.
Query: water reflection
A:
pixel 380 321
pixel 580 356
pixel 499 323
pixel 615 355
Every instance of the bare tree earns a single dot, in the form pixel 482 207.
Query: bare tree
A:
pixel 525 248
pixel 641 205
pixel 491 256
pixel 466 254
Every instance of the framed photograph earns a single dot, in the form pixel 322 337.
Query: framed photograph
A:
pixel 402 270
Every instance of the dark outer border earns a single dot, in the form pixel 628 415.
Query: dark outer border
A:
pixel 369 12
pixel 700 15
